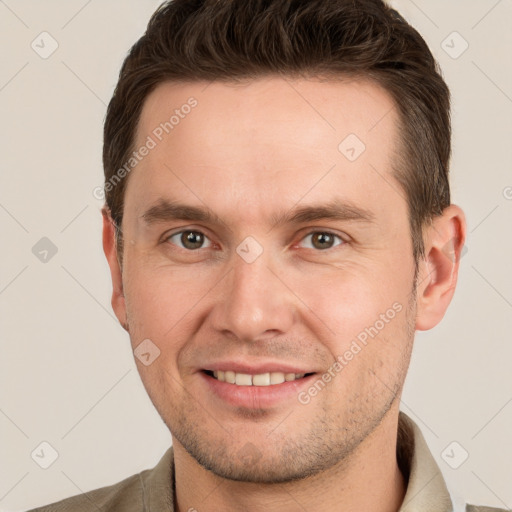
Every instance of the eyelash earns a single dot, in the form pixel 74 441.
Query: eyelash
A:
pixel 323 232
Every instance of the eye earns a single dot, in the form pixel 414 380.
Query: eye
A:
pixel 189 239
pixel 323 240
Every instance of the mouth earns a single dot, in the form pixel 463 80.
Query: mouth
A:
pixel 260 379
pixel 269 385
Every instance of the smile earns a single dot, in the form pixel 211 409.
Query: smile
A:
pixel 261 379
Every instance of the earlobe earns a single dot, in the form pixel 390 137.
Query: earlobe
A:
pixel 110 250
pixel 437 279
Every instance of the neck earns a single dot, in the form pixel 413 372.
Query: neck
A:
pixel 370 480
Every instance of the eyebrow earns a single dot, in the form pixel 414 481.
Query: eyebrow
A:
pixel 336 209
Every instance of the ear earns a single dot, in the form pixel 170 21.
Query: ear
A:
pixel 110 250
pixel 438 271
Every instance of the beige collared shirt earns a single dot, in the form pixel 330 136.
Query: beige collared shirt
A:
pixel 152 490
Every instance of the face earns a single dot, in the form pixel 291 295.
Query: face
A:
pixel 267 242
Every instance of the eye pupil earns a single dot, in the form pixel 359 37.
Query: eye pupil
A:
pixel 192 239
pixel 322 238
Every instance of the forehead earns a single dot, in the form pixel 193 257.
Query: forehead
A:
pixel 266 104
pixel 267 140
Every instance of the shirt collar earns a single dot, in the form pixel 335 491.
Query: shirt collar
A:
pixel 426 488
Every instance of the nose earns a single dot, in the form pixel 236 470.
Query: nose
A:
pixel 256 303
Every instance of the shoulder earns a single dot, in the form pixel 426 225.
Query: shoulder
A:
pixel 151 489
pixel 120 496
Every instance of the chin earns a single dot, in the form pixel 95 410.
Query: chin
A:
pixel 261 473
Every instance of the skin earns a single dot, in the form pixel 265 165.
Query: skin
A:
pixel 247 152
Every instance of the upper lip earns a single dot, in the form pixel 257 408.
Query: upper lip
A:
pixel 256 368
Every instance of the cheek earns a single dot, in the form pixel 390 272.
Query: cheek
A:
pixel 160 300
pixel 368 328
pixel 370 347
pixel 348 300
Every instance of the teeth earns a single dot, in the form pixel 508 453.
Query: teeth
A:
pixel 262 379
pixel 243 379
pixel 276 378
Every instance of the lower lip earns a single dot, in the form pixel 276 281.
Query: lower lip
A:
pixel 255 397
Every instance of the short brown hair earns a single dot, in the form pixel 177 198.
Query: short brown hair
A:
pixel 230 40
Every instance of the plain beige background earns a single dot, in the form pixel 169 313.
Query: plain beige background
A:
pixel 67 373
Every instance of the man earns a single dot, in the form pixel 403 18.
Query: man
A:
pixel 277 226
